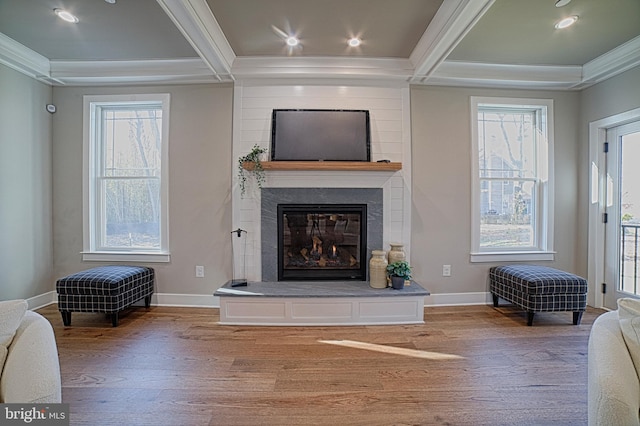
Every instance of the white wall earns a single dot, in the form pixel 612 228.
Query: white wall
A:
pixel 26 247
pixel 200 166
pixel 390 139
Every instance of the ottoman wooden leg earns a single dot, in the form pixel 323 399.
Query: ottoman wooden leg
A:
pixel 495 300
pixel 114 319
pixel 66 318
pixel 147 301
pixel 530 318
pixel 577 316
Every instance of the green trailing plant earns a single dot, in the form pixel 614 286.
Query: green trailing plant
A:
pixel 400 269
pixel 252 157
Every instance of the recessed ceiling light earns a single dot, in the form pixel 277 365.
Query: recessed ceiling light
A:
pixel 566 22
pixel 354 42
pixel 66 16
pixel 561 3
pixel 292 41
pixel 111 1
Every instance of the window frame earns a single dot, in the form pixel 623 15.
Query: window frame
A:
pixel 93 249
pixel 544 209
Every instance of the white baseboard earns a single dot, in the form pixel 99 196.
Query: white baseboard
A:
pixel 458 299
pixel 211 301
pixel 42 300
pixel 185 300
pixel 158 299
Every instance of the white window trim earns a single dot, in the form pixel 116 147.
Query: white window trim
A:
pixel 544 251
pixel 89 252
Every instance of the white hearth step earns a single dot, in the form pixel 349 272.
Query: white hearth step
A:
pixel 320 303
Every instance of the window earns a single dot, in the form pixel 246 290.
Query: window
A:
pixel 125 177
pixel 512 152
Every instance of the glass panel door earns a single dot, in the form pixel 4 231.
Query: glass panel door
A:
pixel 622 248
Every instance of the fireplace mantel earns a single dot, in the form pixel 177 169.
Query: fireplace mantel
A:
pixel 327 165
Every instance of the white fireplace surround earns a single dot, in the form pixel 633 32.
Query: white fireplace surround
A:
pixel 390 139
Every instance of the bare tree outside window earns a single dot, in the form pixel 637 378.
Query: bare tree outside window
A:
pixel 125 165
pixel 130 183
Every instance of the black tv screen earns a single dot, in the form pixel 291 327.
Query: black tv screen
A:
pixel 320 135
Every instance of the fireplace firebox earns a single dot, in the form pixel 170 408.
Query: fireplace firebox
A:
pixel 322 241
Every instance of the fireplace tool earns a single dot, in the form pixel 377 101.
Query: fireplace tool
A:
pixel 235 281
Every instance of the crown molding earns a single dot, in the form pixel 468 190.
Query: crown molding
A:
pixel 452 22
pixel 322 67
pixel 276 81
pixel 473 74
pixel 168 71
pixel 197 23
pixel 24 60
pixel 610 64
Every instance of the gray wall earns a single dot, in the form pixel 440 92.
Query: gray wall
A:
pixel 26 256
pixel 41 223
pixel 616 95
pixel 441 221
pixel 199 184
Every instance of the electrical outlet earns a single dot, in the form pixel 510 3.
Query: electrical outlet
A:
pixel 199 271
pixel 446 270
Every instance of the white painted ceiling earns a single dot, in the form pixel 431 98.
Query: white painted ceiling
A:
pixel 494 43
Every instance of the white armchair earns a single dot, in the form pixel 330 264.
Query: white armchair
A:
pixel 614 389
pixel 31 371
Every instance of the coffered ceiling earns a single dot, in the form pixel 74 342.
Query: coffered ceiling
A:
pixel 493 43
pixel 388 29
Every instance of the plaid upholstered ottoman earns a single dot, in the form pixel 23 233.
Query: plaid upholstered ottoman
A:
pixel 107 289
pixel 539 289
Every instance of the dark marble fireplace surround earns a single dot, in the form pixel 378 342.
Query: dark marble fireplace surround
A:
pixel 271 197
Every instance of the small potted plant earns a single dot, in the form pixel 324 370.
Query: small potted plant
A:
pixel 399 272
pixel 254 159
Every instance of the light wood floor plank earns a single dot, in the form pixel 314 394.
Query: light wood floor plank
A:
pixel 472 365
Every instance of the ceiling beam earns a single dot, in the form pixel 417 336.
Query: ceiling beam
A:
pixel 452 22
pixel 201 29
pixel 426 65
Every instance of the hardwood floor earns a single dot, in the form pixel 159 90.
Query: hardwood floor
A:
pixel 471 365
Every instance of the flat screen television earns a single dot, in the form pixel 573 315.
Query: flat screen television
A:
pixel 320 135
